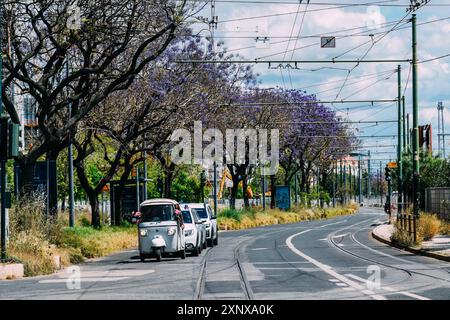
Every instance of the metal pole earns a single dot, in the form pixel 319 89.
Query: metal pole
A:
pixel 3 209
pixel 345 183
pixel 138 201
pixel 408 135
pixel 334 184
pixel 263 181
pixel 1 55
pixel 296 189
pixel 415 138
pixel 359 180
pixel 70 166
pixel 439 106
pixel 215 188
pixel 400 143
pixel 47 172
pixel 340 182
pixel 404 123
pixel 381 183
pixel 368 177
pixel 145 175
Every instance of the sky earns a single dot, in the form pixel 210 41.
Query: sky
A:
pixel 361 32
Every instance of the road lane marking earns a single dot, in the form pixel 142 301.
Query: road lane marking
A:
pixel 329 270
pixel 64 280
pixel 386 288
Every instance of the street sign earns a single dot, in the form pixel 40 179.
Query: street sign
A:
pixel 328 42
pixel 392 164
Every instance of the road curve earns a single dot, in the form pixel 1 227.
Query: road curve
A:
pixel 326 259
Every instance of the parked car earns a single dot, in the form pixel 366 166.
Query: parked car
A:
pixel 206 214
pixel 160 229
pixel 194 231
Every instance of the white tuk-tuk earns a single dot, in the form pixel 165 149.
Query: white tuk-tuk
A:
pixel 161 229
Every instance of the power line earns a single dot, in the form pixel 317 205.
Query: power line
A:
pixel 436 58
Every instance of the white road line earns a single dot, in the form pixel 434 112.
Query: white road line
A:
pixel 329 270
pixel 389 289
pixel 64 280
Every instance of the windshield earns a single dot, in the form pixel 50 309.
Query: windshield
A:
pixel 201 213
pixel 157 213
pixel 186 216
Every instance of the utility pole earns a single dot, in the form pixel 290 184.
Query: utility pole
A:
pixel 215 187
pixel 404 122
pixel 2 161
pixel 359 180
pixel 441 129
pixel 334 183
pixel 70 162
pixel 381 183
pixel 340 181
pixel 408 135
pixel 345 183
pixel 369 191
pixel 415 136
pixel 296 189
pixel 138 200
pixel 263 187
pixel 145 175
pixel 400 142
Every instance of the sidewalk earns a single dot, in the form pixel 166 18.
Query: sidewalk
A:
pixel 438 247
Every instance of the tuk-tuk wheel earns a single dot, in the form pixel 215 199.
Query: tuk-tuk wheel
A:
pixel 196 251
pixel 183 254
pixel 158 254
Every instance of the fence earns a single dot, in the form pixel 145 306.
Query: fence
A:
pixel 437 200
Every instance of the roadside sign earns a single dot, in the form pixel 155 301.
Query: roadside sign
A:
pixel 328 42
pixel 392 164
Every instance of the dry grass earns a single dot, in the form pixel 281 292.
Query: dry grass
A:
pixel 429 226
pixel 245 219
pixel 445 228
pixel 36 240
pixel 402 237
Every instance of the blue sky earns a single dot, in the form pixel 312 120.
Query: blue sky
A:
pixel 367 81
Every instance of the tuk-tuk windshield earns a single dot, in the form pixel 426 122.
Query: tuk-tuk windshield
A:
pixel 186 216
pixel 157 213
pixel 202 213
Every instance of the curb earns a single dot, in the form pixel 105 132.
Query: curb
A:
pixel 409 249
pixel 11 271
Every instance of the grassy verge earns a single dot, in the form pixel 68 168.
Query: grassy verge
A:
pixel 428 226
pixel 36 241
pixel 229 219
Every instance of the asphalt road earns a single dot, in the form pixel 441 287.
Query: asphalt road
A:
pixel 328 259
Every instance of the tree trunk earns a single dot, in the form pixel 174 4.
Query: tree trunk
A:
pixel 234 190
pixel 168 183
pixel 91 193
pixel 95 208
pixel 273 192
pixel 244 190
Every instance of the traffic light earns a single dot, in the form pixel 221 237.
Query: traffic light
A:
pixel 13 137
pixel 387 173
pixel 9 139
pixel 160 185
pixel 3 138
